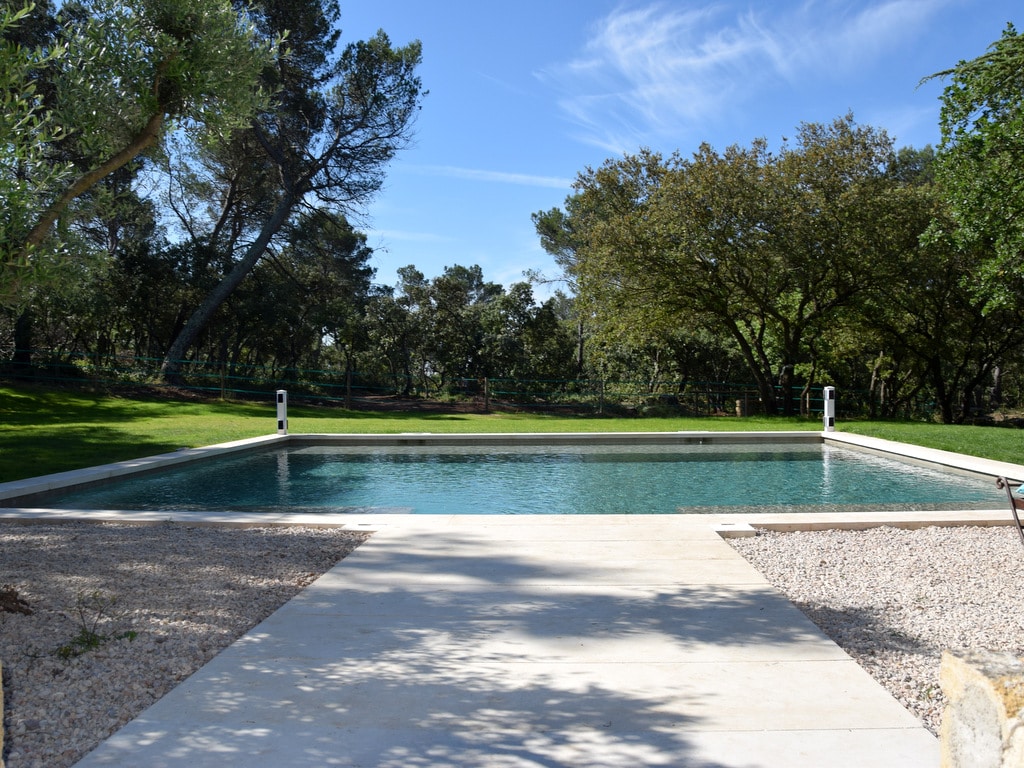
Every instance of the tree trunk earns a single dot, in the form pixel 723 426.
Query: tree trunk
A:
pixel 765 385
pixel 786 389
pixel 942 395
pixel 805 393
pixel 23 343
pixel 995 393
pixel 170 370
pixel 877 384
pixel 146 138
pixel 580 339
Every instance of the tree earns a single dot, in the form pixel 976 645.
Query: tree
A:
pixel 451 308
pixel 929 320
pixel 115 79
pixel 27 129
pixel 763 248
pixel 558 238
pixel 933 324
pixel 521 340
pixel 395 329
pixel 981 160
pixel 548 342
pixel 326 261
pixel 330 131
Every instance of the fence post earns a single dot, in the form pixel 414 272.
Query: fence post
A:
pixel 282 412
pixel 487 395
pixel 828 395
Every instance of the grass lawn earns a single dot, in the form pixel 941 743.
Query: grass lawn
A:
pixel 998 443
pixel 48 431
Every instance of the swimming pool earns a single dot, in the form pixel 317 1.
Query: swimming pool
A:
pixel 580 477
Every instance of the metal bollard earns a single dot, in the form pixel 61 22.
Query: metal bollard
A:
pixel 282 412
pixel 828 394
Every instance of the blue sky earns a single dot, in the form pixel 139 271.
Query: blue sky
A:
pixel 525 94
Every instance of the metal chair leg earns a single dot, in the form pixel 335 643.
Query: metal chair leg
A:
pixel 1002 482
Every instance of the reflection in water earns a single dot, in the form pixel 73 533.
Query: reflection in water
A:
pixel 283 478
pixel 548 480
pixel 827 490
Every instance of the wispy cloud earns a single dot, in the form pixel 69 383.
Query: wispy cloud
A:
pixel 497 177
pixel 405 236
pixel 827 38
pixel 660 70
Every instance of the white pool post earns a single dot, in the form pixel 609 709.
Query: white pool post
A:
pixel 282 411
pixel 828 394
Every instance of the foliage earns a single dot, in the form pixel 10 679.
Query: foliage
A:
pixel 193 63
pixel 809 265
pixel 788 268
pixel 27 128
pixel 935 327
pixel 763 249
pixel 324 140
pixel 982 160
pixel 94 610
pixel 457 326
pixel 115 77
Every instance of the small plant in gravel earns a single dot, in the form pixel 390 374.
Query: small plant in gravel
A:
pixel 93 610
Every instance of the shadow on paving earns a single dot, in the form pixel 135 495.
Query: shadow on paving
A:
pixel 866 630
pixel 417 653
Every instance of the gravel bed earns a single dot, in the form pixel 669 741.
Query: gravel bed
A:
pixel 895 599
pixel 160 600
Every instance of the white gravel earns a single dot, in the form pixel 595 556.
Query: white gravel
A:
pixel 167 597
pixel 895 599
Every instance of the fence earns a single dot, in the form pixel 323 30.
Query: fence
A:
pixel 357 390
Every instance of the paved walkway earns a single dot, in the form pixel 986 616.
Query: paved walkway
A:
pixel 531 641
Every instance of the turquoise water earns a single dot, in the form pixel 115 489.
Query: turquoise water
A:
pixel 545 480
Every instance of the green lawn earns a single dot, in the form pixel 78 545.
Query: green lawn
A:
pixel 999 443
pixel 48 431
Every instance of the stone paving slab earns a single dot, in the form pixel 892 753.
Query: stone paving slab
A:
pixel 451 641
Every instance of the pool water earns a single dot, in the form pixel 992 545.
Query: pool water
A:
pixel 544 480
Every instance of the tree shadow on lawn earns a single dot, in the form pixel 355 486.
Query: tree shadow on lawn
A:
pixel 59 430
pixel 23 452
pixel 30 408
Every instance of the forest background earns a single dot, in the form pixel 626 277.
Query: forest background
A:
pixel 179 179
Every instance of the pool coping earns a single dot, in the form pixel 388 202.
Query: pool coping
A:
pixel 727 524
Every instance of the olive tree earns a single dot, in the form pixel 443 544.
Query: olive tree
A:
pixel 27 129
pixel 115 79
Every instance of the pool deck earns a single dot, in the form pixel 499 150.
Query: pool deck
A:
pixel 531 641
pixel 462 640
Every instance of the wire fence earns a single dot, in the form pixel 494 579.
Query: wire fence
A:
pixel 357 390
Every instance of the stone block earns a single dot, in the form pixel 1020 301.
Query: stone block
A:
pixel 735 530
pixel 983 723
